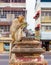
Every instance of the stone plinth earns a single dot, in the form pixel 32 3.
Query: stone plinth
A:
pixel 30 63
pixel 25 52
pixel 28 50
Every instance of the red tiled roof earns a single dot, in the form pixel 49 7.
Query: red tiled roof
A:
pixel 5 23
pixel 38 25
pixel 37 15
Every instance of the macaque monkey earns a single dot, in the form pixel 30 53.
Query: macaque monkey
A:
pixel 17 27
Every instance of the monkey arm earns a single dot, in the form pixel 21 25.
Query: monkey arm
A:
pixel 23 25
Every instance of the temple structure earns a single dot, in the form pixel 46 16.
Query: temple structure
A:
pixel 27 52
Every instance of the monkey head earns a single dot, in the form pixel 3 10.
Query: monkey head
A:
pixel 21 18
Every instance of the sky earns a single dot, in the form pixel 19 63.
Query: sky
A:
pixel 30 13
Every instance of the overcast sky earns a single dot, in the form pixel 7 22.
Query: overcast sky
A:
pixel 30 13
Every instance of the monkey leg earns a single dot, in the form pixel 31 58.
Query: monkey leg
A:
pixel 13 37
pixel 18 35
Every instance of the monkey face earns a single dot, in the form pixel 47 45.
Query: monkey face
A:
pixel 20 18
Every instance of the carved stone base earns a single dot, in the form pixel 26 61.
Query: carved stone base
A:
pixel 30 63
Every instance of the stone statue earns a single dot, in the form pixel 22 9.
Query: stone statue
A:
pixel 17 27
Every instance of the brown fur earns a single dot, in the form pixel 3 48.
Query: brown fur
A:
pixel 16 28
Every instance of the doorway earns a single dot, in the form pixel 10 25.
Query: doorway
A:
pixel 47 45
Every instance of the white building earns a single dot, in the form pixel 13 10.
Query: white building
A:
pixel 30 13
pixel 9 9
pixel 43 19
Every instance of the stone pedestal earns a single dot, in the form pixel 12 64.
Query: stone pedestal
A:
pixel 26 52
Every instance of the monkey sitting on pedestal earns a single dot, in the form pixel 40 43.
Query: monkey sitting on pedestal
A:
pixel 17 27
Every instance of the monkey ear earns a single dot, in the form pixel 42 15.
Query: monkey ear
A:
pixel 17 16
